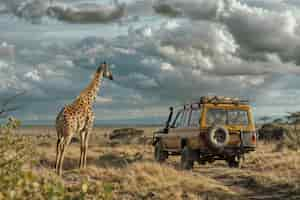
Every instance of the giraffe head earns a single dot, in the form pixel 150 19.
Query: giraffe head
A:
pixel 106 71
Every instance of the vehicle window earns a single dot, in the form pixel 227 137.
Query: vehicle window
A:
pixel 181 122
pixel 186 118
pixel 237 117
pixel 216 116
pixel 177 120
pixel 195 118
pixel 226 117
pixel 182 119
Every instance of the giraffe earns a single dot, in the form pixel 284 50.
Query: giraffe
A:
pixel 78 118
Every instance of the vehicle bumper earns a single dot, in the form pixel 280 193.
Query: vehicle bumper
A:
pixel 237 150
pixel 229 150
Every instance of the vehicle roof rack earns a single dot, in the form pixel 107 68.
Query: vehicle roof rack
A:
pixel 222 100
pixel 214 100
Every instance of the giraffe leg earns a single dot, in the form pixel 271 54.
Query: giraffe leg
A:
pixel 82 134
pixel 87 134
pixel 88 130
pixel 57 153
pixel 64 144
pixel 60 143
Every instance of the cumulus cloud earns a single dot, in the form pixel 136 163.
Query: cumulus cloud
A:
pixel 7 52
pixel 166 67
pixel 32 10
pixel 87 13
pixel 264 41
pixel 35 10
pixel 271 29
pixel 193 9
pixel 260 30
pixel 198 56
pixel 228 47
pixel 33 75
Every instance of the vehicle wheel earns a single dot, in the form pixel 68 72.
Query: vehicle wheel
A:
pixel 159 154
pixel 186 159
pixel 202 162
pixel 218 138
pixel 233 162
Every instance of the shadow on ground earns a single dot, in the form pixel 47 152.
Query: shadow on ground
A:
pixel 69 163
pixel 117 161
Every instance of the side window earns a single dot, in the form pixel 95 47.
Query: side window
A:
pixel 195 118
pixel 177 121
pixel 181 122
pixel 187 118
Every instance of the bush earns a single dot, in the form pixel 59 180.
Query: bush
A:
pixel 271 131
pixel 14 150
pixel 291 140
pixel 15 182
pixel 18 180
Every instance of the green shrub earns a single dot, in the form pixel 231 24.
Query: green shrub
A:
pixel 14 150
pixel 16 182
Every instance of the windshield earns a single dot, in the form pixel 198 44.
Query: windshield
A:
pixel 226 117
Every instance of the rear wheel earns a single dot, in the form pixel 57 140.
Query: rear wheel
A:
pixel 233 162
pixel 159 154
pixel 187 162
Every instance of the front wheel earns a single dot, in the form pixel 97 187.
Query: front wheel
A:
pixel 187 162
pixel 159 154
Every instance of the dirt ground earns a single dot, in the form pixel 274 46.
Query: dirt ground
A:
pixel 131 172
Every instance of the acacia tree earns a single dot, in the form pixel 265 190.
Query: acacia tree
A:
pixel 278 121
pixel 265 119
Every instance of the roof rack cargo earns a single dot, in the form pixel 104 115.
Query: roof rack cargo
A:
pixel 215 100
pixel 222 100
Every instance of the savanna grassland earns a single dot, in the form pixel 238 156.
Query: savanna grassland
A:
pixel 125 169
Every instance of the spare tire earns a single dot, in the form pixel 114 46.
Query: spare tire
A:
pixel 218 137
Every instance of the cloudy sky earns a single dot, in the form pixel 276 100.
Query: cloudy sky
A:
pixel 162 53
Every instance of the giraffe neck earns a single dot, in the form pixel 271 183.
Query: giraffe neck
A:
pixel 91 91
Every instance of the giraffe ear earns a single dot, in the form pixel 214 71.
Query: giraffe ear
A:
pixel 110 77
pixel 102 66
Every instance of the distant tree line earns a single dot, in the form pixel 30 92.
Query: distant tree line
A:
pixel 292 118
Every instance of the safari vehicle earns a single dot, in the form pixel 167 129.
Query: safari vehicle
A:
pixel 214 128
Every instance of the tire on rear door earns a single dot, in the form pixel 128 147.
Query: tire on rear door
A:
pixel 218 137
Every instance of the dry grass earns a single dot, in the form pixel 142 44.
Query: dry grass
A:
pixel 127 171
